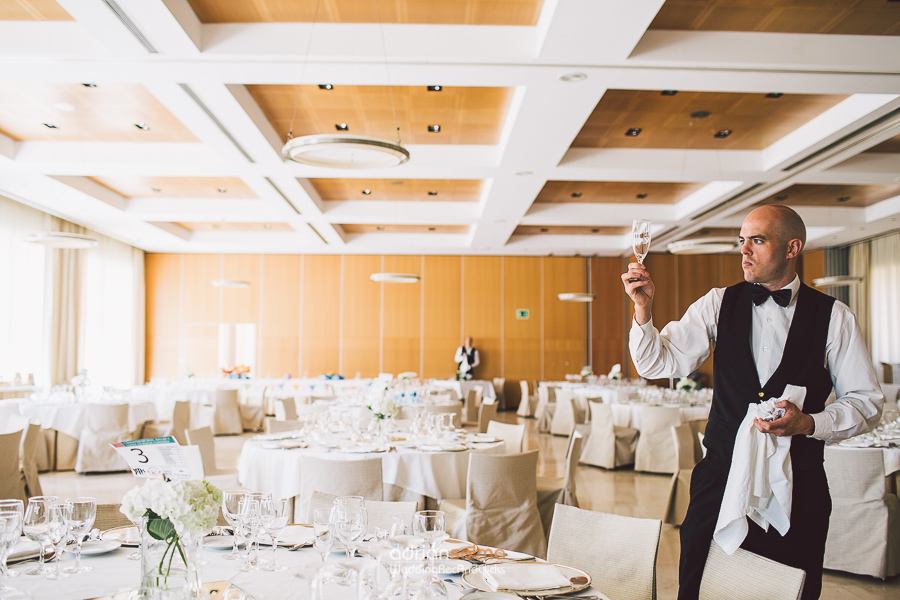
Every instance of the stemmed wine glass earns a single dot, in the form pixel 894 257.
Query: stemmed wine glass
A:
pixel 80 519
pixel 324 531
pixel 11 513
pixel 58 534
pixel 350 521
pixel 640 241
pixel 248 513
pixel 35 526
pixel 274 515
pixel 230 505
pixel 431 525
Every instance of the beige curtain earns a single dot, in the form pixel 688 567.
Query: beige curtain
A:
pixel 139 314
pixel 67 324
pixel 859 294
pixel 884 291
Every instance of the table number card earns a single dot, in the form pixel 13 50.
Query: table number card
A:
pixel 155 457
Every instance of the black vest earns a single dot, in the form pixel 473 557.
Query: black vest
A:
pixel 736 381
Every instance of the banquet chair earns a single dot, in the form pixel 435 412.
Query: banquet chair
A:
pixel 470 408
pixel 698 430
pixel 109 516
pixel 285 409
pixel 273 425
pixel 181 421
pixel 748 576
pixel 526 401
pixel 546 406
pixel 619 553
pixel 864 529
pixel 499 383
pixel 379 514
pixel 12 480
pixel 680 487
pixel 500 508
pixel 204 440
pixel 559 490
pixel 227 419
pixel 487 412
pixel 566 415
pixel 31 439
pixel 360 477
pixel 655 450
pixel 608 446
pixel 513 436
pixel 104 424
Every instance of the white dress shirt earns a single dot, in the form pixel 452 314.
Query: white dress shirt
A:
pixel 462 359
pixel 684 345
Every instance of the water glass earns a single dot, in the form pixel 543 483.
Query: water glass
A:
pixel 350 521
pixel 10 530
pixel 80 519
pixel 248 514
pixel 274 515
pixel 230 502
pixel 36 525
pixel 430 525
pixel 324 532
pixel 58 534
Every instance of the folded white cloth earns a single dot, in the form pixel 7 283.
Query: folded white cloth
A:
pixel 525 577
pixel 760 479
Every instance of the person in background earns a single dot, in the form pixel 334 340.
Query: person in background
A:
pixel 466 359
pixel 768 331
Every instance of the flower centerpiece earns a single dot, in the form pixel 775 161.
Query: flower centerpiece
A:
pixel 586 371
pixel 383 409
pixel 174 517
pixel 615 374
pixel 406 376
pixel 686 384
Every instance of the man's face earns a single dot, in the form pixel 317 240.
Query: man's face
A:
pixel 763 254
pixel 468 342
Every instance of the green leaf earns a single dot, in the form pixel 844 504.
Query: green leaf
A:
pixel 159 528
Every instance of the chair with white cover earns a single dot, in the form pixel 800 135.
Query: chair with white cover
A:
pixel 748 576
pixel 228 414
pixel 499 383
pixel 30 441
pixel 454 409
pixel 566 415
pixel 379 514
pixel 500 508
pixel 560 490
pixel 527 402
pixel 619 553
pixel 864 529
pixel 608 446
pixel 181 421
pixel 487 412
pixel 362 477
pixel 104 424
pixel 204 440
pixel 473 402
pixel 273 425
pixel 285 409
pixel 12 480
pixel 655 450
pixel 698 430
pixel 513 436
pixel 546 407
pixel 680 487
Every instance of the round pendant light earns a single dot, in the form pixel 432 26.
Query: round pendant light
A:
pixel 702 246
pixel 62 240
pixel 229 283
pixel 575 297
pixel 345 151
pixel 394 277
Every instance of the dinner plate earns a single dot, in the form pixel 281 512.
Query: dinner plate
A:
pixel 479 595
pixel 361 450
pixel 127 536
pixel 484 439
pixel 291 536
pixel 580 579
pixel 91 547
pixel 442 448
pixel 219 542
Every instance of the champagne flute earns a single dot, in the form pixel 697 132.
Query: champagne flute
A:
pixel 274 515
pixel 80 519
pixel 230 503
pixel 324 532
pixel 640 242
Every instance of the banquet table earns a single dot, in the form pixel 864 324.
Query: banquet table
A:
pixel 70 417
pixel 630 415
pixel 462 387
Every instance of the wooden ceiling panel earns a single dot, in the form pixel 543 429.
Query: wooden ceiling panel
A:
pixel 616 192
pixel 33 10
pixel 846 17
pixel 386 228
pixel 109 112
pixel 177 187
pixel 467 115
pixel 196 226
pixel 891 146
pixel 414 190
pixel 858 196
pixel 569 230
pixel 754 120
pixel 431 12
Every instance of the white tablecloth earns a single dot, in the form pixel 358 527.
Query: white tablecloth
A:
pixel 629 415
pixel 437 475
pixel 462 387
pixel 891 455
pixel 69 417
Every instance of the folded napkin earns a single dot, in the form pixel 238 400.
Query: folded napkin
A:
pixel 760 479
pixel 24 550
pixel 526 577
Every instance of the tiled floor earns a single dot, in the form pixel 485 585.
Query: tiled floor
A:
pixel 622 492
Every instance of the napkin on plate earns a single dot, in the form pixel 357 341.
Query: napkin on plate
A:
pixel 24 550
pixel 528 577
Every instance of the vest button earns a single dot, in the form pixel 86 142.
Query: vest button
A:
pixel 761 394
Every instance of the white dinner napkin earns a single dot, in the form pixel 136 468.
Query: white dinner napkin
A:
pixel 760 479
pixel 525 577
pixel 23 550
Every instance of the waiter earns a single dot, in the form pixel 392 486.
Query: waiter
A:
pixel 768 331
pixel 466 359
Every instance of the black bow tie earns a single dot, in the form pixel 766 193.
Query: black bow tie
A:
pixel 760 294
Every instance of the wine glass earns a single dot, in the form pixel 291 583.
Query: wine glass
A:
pixel 350 520
pixel 80 519
pixel 58 534
pixel 274 515
pixel 230 504
pixel 640 242
pixel 248 511
pixel 324 531
pixel 431 525
pixel 10 530
pixel 35 526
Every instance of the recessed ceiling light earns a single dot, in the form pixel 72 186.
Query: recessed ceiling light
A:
pixel 572 77
pixel 700 114
pixel 843 198
pixel 268 226
pixel 434 128
pixel 155 189
pixel 50 126
pixel 576 194
pixel 722 133
pixel 397 182
pixel 142 126
pixel 432 193
pixel 634 132
pixel 544 230
pixel 668 92
pixel 435 88
pixel 774 95
pixel 89 85
pixel 230 283
pixel 595 230
pixel 326 86
pixel 367 192
pixel 380 227
pixel 640 196
pixel 222 190
pixel 341 127
pixel 522 173
pixel 65 106
pixel 781 197
pixel 216 226
pixel 432 228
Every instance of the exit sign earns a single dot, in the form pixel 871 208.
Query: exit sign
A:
pixel 522 313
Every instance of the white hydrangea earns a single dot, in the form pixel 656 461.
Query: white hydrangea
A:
pixel 383 407
pixel 191 506
pixel 686 384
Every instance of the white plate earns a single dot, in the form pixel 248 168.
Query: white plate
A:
pixel 91 547
pixel 219 542
pixel 478 595
pixel 127 536
pixel 475 579
pixel 292 535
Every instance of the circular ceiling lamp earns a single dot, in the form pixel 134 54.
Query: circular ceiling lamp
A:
pixel 575 297
pixel 837 280
pixel 702 246
pixel 62 240
pixel 345 151
pixel 229 283
pixel 394 277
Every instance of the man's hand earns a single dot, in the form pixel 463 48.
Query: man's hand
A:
pixel 794 422
pixel 640 291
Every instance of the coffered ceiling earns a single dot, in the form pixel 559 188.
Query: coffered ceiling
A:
pixel 161 122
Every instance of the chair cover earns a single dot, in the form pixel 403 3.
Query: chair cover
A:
pixel 227 415
pixel 356 477
pixel 285 409
pixel 619 553
pixel 680 488
pixel 379 514
pixel 251 417
pixel 526 401
pixel 546 406
pixel 501 504
pixel 30 443
pixel 473 402
pixel 194 460
pixel 513 436
pixel 499 383
pixel 655 450
pixel 204 440
pixel 273 425
pixel 559 490
pixel 698 429
pixel 608 445
pixel 748 576
pixel 66 452
pixel 566 414
pixel 109 516
pixel 181 421
pixel 14 423
pixel 864 530
pixel 486 413
pixel 105 424
pixel 12 480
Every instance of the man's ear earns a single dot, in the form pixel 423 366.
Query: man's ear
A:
pixel 794 248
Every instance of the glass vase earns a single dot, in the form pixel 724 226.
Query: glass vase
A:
pixel 170 570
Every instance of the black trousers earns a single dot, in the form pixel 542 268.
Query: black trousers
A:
pixel 803 547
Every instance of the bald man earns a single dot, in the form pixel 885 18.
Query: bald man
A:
pixel 768 331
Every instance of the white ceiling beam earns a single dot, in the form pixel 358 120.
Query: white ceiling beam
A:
pixel 171 25
pixel 116 32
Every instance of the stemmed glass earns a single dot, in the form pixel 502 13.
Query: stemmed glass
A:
pixel 248 513
pixel 350 521
pixel 640 242
pixel 80 519
pixel 58 534
pixel 430 525
pixel 274 515
pixel 11 513
pixel 324 531
pixel 36 526
pixel 230 505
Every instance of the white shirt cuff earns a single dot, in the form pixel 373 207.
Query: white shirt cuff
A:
pixel 823 426
pixel 645 328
